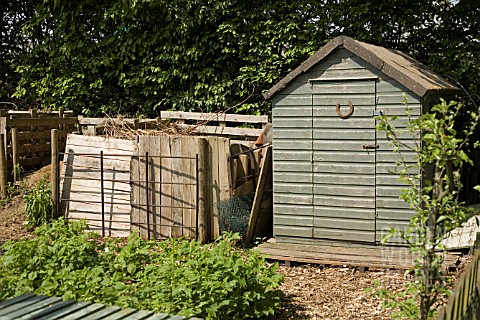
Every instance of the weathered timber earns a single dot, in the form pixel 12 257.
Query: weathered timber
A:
pixel 55 172
pixel 3 167
pixel 203 221
pixel 15 155
pixel 222 117
pixel 255 222
pixel 81 174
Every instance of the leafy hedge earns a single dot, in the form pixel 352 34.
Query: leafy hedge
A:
pixel 174 276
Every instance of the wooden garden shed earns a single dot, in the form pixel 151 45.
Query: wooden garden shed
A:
pixel 331 167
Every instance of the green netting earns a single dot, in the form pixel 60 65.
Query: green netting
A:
pixel 233 213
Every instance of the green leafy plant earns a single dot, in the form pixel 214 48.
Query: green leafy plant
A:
pixel 214 281
pixel 433 184
pixel 11 192
pixel 38 205
pixel 18 170
pixel 404 305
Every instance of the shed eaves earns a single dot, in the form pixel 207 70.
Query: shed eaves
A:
pixel 395 64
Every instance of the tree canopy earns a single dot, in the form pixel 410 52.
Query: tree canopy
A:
pixel 143 56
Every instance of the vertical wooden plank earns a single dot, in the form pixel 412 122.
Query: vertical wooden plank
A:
pixel 3 167
pixel 203 229
pixel 257 201
pixel 244 168
pixel 15 156
pixel 223 178
pixel 194 173
pixel 33 129
pixel 143 148
pixel 54 173
pixel 215 182
pixel 166 191
pixel 191 148
pixel 135 189
pixel 61 127
pixel 177 204
pixel 156 197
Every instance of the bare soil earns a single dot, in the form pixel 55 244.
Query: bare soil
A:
pixel 12 214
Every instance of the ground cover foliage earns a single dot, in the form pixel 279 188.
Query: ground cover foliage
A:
pixel 215 281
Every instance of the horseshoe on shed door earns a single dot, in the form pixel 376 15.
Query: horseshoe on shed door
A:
pixel 350 112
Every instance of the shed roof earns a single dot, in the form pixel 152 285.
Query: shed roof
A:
pixel 395 64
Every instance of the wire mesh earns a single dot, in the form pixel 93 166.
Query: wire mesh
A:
pixel 233 213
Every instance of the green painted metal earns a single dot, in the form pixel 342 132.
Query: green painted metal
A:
pixel 30 306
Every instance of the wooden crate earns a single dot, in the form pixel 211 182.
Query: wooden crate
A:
pixel 33 129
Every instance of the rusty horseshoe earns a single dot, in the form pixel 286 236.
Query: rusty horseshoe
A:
pixel 350 112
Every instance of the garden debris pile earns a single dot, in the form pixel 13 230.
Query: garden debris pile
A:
pixel 122 129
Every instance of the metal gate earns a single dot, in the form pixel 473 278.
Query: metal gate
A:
pixel 117 193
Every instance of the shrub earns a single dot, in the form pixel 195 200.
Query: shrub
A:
pixel 174 276
pixel 38 205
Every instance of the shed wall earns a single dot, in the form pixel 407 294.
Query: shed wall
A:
pixel 298 116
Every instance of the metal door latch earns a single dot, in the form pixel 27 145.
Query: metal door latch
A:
pixel 377 113
pixel 370 146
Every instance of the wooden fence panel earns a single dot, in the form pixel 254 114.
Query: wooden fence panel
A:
pixel 176 170
pixel 81 195
pixel 464 302
pixel 33 135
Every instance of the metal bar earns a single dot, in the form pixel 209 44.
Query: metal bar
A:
pixel 102 194
pixel 93 155
pixel 147 194
pixel 196 198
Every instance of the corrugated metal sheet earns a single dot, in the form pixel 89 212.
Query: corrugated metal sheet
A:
pixel 326 186
pixel 30 306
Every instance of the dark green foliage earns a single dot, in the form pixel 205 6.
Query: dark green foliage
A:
pixel 214 281
pixel 206 55
pixel 38 205
pixel 233 213
pixel 13 48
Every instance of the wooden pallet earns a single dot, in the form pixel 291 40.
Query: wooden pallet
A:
pixel 367 256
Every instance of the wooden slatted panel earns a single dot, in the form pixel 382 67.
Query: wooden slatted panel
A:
pixel 292 166
pixel 464 301
pixel 342 171
pixel 82 173
pixel 391 211
pixel 358 255
pixel 334 178
pixel 177 192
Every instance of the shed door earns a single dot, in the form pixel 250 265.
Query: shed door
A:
pixel 344 160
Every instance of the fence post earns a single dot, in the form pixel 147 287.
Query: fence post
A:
pixel 203 219
pixel 15 155
pixel 54 173
pixel 3 167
